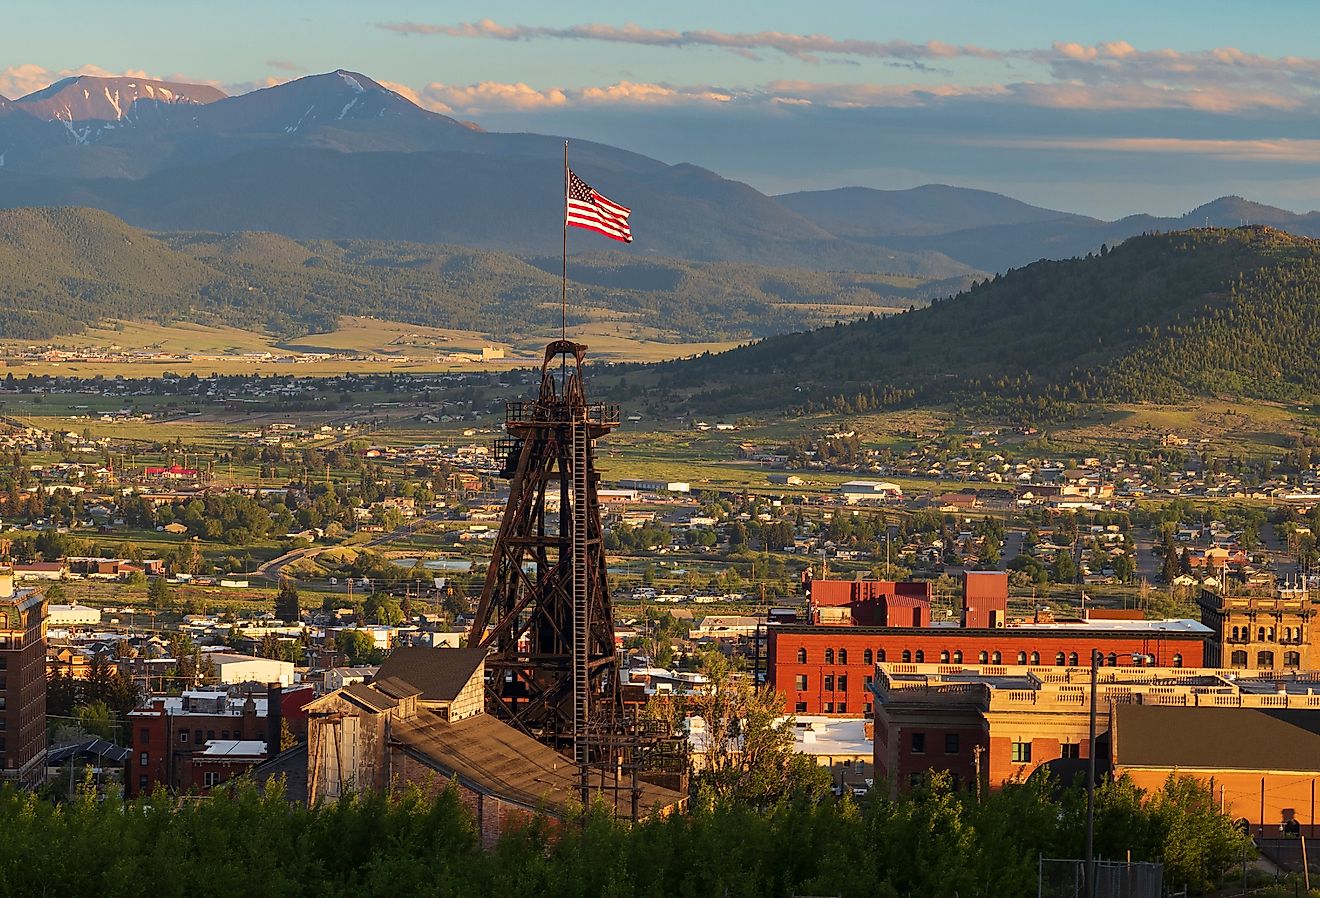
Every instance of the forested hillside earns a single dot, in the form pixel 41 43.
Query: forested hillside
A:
pixel 1161 318
pixel 64 269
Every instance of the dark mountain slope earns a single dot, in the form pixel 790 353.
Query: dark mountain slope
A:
pixel 1161 317
pixel 932 209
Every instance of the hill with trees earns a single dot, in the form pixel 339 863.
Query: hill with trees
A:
pixel 64 269
pixel 1162 318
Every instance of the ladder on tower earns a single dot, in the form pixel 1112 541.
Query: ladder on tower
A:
pixel 581 612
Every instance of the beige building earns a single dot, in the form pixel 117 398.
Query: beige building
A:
pixel 1259 632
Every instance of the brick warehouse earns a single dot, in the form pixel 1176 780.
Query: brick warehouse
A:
pixel 826 668
pixel 997 724
pixel 22 680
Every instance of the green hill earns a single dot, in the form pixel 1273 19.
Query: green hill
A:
pixel 64 269
pixel 1161 318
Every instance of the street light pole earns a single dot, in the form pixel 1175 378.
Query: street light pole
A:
pixel 1090 784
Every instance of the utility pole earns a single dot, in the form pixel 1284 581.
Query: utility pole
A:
pixel 1090 784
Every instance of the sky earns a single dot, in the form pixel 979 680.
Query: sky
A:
pixel 1102 108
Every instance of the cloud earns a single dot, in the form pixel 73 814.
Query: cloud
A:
pixel 1298 151
pixel 19 80
pixel 806 47
pixel 489 96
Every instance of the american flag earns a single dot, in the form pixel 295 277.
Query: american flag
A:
pixel 585 208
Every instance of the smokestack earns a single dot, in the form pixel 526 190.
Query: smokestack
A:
pixel 274 717
pixel 6 582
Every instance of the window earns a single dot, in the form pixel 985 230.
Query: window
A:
pixel 829 656
pixel 1022 658
pixel 210 734
pixel 869 682
pixel 1072 659
pixel 1035 658
pixel 1177 660
pixel 918 743
pixel 1260 634
pixel 880 655
pixel 1060 659
pixel 142 782
pixel 183 736
pixel 142 759
pixel 1070 750
pixel 1271 634
pixel 907 656
pixel 800 708
pixel 210 778
pixel 867 708
pixel 957 657
pixel 950 743
pixel 843 682
pixel 843 656
pixel 197 736
pixel 802 656
pixel 944 657
pixel 1265 660
pixel 827 708
pixel 868 657
pixel 801 682
pixel 1292 659
pixel 829 682
pixel 1239 659
pixel 1021 753
pixel 1113 660
pixel 996 658
pixel 921 656
pixel 983 658
pixel 843 708
pixel 224 734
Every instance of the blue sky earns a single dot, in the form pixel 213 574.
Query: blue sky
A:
pixel 1106 109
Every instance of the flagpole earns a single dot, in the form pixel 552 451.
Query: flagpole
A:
pixel 563 277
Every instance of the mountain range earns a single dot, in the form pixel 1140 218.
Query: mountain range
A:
pixel 341 156
pixel 62 270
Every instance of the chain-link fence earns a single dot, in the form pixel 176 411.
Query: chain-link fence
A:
pixel 1066 878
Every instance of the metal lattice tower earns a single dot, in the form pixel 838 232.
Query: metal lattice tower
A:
pixel 545 609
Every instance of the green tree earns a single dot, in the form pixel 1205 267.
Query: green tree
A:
pixel 286 603
pixel 160 595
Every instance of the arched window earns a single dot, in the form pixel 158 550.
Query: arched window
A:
pixel 1035 658
pixel 907 656
pixel 1072 659
pixel 843 656
pixel 1271 634
pixel 880 655
pixel 996 658
pixel 1292 659
pixel 802 656
pixel 829 656
pixel 1113 660
pixel 983 658
pixel 1060 659
pixel 868 657
pixel 1235 634
pixel 1260 634
pixel 944 657
pixel 1265 660
pixel 1022 658
pixel 957 657
pixel 1177 660
pixel 1239 659
pixel 921 657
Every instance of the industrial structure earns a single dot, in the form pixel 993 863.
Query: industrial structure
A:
pixel 544 613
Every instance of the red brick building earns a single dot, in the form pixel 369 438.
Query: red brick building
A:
pixel 22 681
pixel 827 670
pixel 170 731
pixel 869 603
pixel 220 761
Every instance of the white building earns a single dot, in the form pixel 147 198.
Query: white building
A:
pixel 74 615
pixel 231 668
